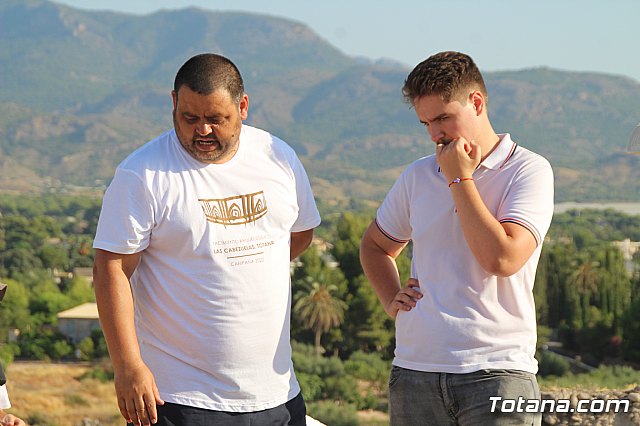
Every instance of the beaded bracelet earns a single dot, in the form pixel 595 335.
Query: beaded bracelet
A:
pixel 458 180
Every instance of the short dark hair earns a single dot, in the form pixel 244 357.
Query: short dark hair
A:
pixel 208 72
pixel 449 75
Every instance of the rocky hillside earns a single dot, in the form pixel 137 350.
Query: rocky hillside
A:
pixel 83 89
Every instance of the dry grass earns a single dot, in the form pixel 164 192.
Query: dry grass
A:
pixel 372 418
pixel 54 395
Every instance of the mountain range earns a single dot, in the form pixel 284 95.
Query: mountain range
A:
pixel 80 90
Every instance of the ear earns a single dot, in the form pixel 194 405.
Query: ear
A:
pixel 174 96
pixel 244 107
pixel 479 101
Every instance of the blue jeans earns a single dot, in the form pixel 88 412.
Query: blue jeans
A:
pixel 418 398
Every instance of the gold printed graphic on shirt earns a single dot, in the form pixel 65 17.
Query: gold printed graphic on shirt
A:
pixel 236 210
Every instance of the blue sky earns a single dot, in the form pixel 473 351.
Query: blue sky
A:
pixel 586 35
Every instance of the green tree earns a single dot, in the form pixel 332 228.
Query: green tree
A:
pixel 631 332
pixel 367 327
pixel 54 257
pixel 14 312
pixel 584 280
pixel 79 291
pixel 319 309
pixel 349 231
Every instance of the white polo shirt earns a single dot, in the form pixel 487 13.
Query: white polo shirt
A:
pixel 468 319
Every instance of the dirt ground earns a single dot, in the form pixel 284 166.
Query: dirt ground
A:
pixel 54 395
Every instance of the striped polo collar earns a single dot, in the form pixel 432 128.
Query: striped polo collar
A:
pixel 503 152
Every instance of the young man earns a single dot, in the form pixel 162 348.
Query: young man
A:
pixel 477 212
pixel 191 274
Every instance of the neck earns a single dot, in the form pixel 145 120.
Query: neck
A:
pixel 488 141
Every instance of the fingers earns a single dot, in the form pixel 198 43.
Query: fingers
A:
pixel 130 413
pixel 475 152
pixel 151 406
pixel 137 394
pixel 412 282
pixel 458 158
pixel 408 296
pixel 122 406
pixel 140 412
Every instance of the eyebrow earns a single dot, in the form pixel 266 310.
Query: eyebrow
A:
pixel 207 117
pixel 444 114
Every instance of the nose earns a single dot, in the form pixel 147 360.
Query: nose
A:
pixel 435 132
pixel 203 129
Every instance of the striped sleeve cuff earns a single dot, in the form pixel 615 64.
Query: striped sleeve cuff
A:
pixel 534 231
pixel 391 237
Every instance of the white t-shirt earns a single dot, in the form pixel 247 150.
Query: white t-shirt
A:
pixel 212 290
pixel 468 319
pixel 4 398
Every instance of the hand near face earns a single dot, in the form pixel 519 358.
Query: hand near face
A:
pixel 458 158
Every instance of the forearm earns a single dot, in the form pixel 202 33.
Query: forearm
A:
pixel 491 244
pixel 382 272
pixel 115 307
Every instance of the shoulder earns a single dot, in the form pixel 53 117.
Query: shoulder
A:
pixel 262 137
pixel 421 167
pixel 269 144
pixel 524 157
pixel 152 154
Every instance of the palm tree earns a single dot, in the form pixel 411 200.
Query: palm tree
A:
pixel 319 310
pixel 585 281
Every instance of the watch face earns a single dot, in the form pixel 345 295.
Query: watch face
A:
pixel 634 141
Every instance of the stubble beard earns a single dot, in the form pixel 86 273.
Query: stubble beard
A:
pixel 208 157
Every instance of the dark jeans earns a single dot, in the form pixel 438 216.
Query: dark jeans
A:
pixel 418 398
pixel 292 413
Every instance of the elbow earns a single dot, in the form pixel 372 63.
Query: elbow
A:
pixel 364 256
pixel 501 266
pixel 98 276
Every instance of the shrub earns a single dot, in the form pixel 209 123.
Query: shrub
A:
pixel 311 386
pixel 8 352
pixel 43 344
pixel 331 413
pixel 75 400
pixel 86 349
pixel 39 419
pixel 103 371
pixel 551 364
pixel 341 388
pixel 368 367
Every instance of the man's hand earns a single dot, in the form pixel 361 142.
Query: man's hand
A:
pixel 405 299
pixel 137 394
pixel 458 158
pixel 10 420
